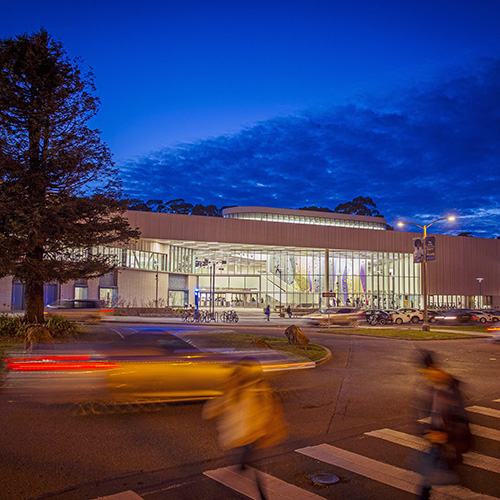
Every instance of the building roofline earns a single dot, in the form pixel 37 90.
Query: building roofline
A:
pixel 302 213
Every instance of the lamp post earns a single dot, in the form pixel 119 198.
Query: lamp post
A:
pixel 480 295
pixel 156 301
pixel 425 325
pixel 278 270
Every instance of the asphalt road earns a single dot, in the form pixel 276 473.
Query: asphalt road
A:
pixel 54 452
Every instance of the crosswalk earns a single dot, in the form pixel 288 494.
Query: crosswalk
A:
pixel 235 483
pixel 396 477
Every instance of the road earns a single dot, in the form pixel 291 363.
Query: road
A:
pixel 368 385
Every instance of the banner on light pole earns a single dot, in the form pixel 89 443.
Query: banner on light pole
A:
pixel 418 250
pixel 430 248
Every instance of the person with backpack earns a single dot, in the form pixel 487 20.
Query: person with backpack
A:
pixel 447 432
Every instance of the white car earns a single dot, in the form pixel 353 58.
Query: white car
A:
pixel 485 316
pixel 415 314
pixel 399 317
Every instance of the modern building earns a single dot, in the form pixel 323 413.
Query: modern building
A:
pixel 254 256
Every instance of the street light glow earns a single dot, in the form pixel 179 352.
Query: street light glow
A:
pixel 425 326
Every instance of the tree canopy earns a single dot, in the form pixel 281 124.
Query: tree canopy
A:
pixel 177 206
pixel 359 206
pixel 59 197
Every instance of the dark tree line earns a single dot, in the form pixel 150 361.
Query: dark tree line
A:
pixel 177 206
pixel 358 206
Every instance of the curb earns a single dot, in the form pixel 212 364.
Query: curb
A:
pixel 325 358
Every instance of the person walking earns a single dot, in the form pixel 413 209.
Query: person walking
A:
pixel 289 311
pixel 249 414
pixel 267 312
pixel 448 433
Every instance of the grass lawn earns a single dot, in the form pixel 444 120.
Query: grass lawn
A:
pixel 471 328
pixel 402 333
pixel 226 338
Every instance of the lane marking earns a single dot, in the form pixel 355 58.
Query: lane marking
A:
pixel 396 477
pixel 477 430
pixel 244 482
pixel 118 332
pixel 471 458
pixel 484 411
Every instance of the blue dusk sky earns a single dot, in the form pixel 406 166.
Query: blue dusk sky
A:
pixel 295 103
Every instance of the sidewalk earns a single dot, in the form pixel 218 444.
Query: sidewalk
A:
pixel 253 317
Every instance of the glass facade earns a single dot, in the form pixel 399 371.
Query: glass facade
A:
pixel 310 220
pixel 297 277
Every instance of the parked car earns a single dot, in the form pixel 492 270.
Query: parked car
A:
pixel 333 315
pixel 376 316
pixel 399 317
pixel 485 316
pixel 454 317
pixel 416 315
pixel 79 309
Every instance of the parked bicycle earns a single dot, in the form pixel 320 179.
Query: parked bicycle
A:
pixel 229 317
pixel 199 316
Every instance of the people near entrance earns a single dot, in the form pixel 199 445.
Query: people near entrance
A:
pixel 289 311
pixel 250 416
pixel 447 431
pixel 267 312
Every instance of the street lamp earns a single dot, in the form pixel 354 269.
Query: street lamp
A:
pixel 278 270
pixel 425 325
pixel 156 277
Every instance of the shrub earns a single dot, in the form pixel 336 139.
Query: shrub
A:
pixel 12 326
pixel 36 334
pixel 15 327
pixel 60 327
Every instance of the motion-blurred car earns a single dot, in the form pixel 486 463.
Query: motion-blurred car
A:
pixel 140 368
pixel 415 314
pixel 79 309
pixel 431 315
pixel 334 316
pixel 454 317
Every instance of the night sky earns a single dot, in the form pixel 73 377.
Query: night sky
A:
pixel 288 104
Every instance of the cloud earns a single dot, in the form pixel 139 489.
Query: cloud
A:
pixel 428 150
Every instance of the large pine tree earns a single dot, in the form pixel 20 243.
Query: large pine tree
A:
pixel 59 196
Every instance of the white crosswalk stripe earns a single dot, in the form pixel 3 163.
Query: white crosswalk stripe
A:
pixel 244 482
pixel 390 475
pixel 484 411
pixel 396 477
pixel 124 495
pixel 477 430
pixel 471 458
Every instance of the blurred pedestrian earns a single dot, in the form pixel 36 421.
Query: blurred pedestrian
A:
pixel 289 311
pixel 267 312
pixel 448 432
pixel 249 414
